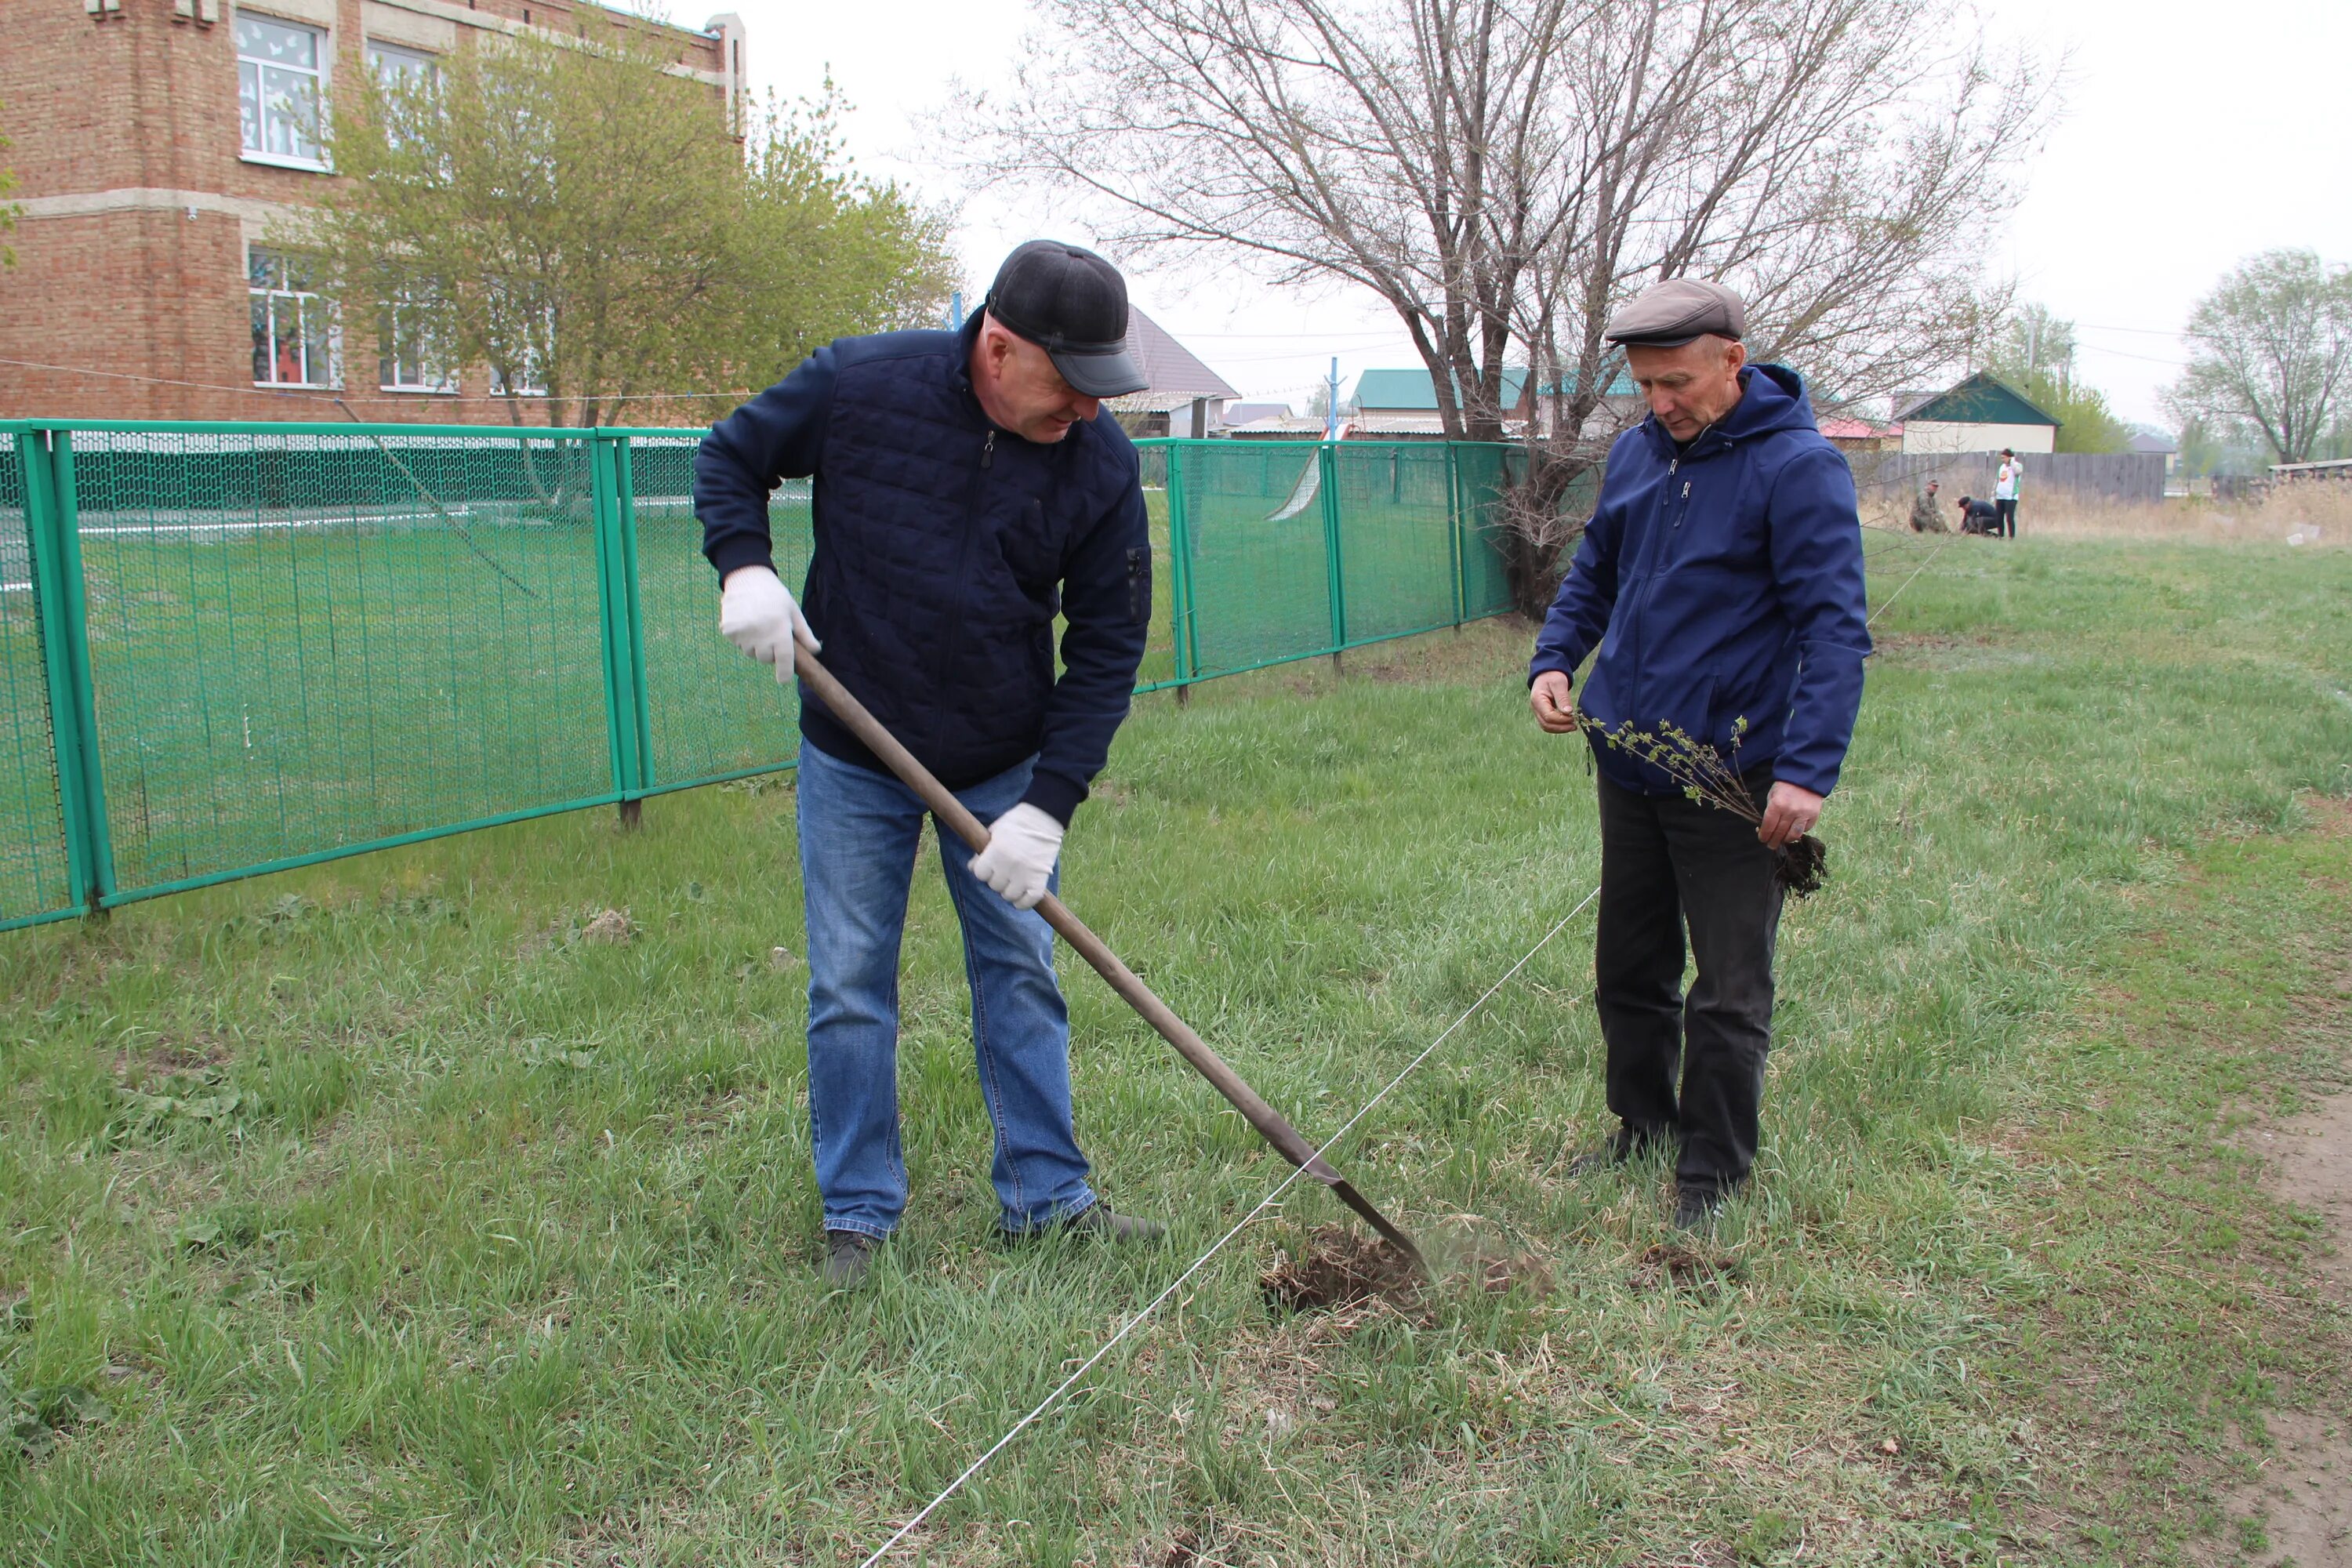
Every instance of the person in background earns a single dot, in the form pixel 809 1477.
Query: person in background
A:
pixel 1979 517
pixel 1926 516
pixel 2005 487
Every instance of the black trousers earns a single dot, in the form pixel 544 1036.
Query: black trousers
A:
pixel 1691 1067
pixel 2007 527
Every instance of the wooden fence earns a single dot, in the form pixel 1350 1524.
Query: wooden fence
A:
pixel 1892 477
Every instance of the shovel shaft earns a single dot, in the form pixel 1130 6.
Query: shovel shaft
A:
pixel 1270 1123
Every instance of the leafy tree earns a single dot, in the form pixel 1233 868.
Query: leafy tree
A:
pixel 2270 355
pixel 579 217
pixel 2034 351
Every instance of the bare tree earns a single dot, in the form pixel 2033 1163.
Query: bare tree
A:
pixel 1504 173
pixel 2271 352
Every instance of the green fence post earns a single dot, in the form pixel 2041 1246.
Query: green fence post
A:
pixel 1454 532
pixel 620 672
pixel 1328 456
pixel 1180 576
pixel 53 532
pixel 632 601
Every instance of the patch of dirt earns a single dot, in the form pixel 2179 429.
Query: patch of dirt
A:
pixel 612 928
pixel 2304 1491
pixel 1339 1268
pixel 1924 642
pixel 1681 1266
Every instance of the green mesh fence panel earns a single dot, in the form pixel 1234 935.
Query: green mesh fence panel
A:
pixel 33 872
pixel 293 650
pixel 304 641
pixel 1485 471
pixel 1253 532
pixel 714 712
pixel 1396 538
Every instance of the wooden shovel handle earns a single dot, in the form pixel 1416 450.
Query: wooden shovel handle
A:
pixel 1270 1123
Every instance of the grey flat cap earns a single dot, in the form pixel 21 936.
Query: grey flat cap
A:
pixel 1670 314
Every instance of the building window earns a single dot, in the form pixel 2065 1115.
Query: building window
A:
pixel 281 90
pixel 396 67
pixel 409 346
pixel 293 327
pixel 526 338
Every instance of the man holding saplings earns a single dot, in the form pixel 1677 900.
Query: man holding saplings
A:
pixel 1721 581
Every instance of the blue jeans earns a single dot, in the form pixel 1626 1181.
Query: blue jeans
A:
pixel 858 831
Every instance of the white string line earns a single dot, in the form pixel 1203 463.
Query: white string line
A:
pixel 1923 566
pixel 1218 1245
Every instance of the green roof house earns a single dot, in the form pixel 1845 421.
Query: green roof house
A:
pixel 1982 413
pixel 1389 404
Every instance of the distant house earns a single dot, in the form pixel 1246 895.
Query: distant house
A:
pixel 1238 414
pixel 1402 404
pixel 1284 427
pixel 1982 413
pixel 1185 398
pixel 2157 443
pixel 1862 436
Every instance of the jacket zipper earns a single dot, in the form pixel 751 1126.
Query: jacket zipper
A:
pixel 951 645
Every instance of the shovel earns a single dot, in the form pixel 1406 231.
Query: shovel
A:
pixel 1269 1122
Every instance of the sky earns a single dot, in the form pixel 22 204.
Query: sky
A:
pixel 2193 134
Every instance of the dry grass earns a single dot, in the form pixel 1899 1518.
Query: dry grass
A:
pixel 2296 517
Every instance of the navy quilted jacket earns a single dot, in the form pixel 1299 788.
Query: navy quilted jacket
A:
pixel 944 548
pixel 1722 582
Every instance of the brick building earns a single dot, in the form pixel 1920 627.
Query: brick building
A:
pixel 155 141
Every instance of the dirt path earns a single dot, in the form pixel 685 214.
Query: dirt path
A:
pixel 2305 1488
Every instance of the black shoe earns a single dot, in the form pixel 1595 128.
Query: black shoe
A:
pixel 1099 1223
pixel 1626 1144
pixel 1696 1208
pixel 848 1258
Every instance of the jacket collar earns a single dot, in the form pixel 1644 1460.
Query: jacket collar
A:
pixel 1773 398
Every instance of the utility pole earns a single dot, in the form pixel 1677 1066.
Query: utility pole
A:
pixel 1331 403
pixel 955 311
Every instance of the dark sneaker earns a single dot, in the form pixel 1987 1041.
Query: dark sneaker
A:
pixel 1627 1143
pixel 1696 1208
pixel 1099 1223
pixel 848 1258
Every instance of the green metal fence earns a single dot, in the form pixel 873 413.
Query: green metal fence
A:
pixel 233 649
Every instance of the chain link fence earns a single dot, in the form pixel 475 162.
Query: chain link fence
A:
pixel 227 649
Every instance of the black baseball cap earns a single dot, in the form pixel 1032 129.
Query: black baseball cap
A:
pixel 1073 304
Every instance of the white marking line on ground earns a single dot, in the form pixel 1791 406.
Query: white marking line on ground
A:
pixel 1219 1244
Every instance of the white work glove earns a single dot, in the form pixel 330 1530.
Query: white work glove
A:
pixel 1022 844
pixel 756 613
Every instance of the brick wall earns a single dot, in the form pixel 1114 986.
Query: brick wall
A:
pixel 140 207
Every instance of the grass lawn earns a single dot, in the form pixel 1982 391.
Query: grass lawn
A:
pixel 373 1213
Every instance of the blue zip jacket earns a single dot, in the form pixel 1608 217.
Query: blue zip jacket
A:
pixel 945 547
pixel 1722 582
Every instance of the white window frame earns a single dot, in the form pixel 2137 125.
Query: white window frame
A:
pixel 532 375
pixel 314 319
pixel 403 59
pixel 432 380
pixel 254 65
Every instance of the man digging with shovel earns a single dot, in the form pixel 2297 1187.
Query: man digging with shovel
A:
pixel 968 485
